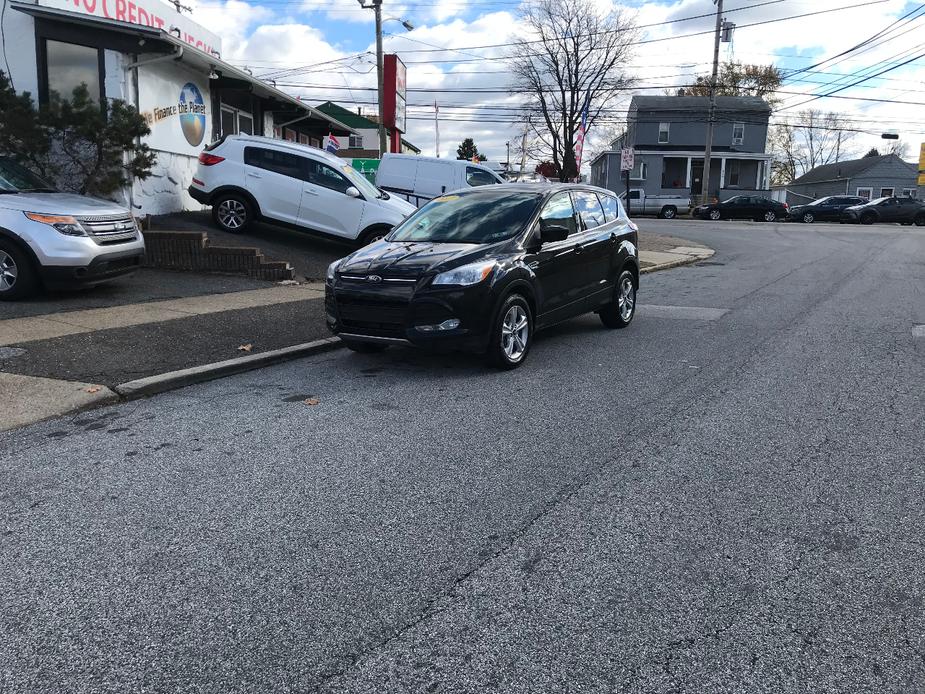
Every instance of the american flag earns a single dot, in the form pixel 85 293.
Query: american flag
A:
pixel 333 144
pixel 580 139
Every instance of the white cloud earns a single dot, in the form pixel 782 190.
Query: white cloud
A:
pixel 255 33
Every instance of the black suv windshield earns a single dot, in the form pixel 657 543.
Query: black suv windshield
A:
pixel 18 179
pixel 470 218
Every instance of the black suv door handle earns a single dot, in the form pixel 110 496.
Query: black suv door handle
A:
pixel 579 248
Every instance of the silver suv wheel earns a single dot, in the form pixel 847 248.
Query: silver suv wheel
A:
pixel 8 271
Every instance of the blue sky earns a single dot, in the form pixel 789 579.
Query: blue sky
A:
pixel 280 35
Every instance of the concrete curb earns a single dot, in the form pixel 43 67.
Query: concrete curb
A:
pixel 690 260
pixel 171 380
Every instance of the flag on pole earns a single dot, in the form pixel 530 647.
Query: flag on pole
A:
pixel 333 144
pixel 580 139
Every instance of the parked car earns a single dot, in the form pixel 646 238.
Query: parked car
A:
pixel 905 211
pixel 419 179
pixel 754 207
pixel 484 269
pixel 827 209
pixel 246 178
pixel 60 240
pixel 664 206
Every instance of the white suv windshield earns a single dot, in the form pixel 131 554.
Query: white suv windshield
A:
pixel 360 181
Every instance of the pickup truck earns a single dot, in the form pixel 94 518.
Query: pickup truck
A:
pixel 664 206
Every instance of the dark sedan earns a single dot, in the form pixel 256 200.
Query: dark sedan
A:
pixel 484 269
pixel 827 209
pixel 905 211
pixel 754 207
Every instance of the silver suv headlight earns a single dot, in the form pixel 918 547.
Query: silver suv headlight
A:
pixel 466 274
pixel 63 223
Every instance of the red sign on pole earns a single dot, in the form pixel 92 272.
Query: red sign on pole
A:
pixel 394 88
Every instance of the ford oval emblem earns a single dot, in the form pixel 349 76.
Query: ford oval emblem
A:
pixel 375 279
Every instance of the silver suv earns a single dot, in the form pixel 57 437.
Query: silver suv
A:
pixel 59 239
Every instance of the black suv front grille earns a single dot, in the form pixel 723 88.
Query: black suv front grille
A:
pixel 381 319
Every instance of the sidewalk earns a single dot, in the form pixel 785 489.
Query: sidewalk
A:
pixel 55 363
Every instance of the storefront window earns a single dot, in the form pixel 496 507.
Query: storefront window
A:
pixel 69 66
pixel 245 124
pixel 234 122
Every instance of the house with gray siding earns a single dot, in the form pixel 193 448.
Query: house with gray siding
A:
pixel 870 177
pixel 669 133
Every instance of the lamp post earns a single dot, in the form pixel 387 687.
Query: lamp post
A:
pixel 376 7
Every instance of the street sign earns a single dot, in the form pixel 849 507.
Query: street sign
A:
pixel 627 160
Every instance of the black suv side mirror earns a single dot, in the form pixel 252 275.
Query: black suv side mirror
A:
pixel 553 233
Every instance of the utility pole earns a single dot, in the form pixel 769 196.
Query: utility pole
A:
pixel 838 147
pixel 708 150
pixel 437 128
pixel 377 8
pixel 523 147
pixel 507 163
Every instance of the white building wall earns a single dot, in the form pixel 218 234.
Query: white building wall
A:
pixel 164 191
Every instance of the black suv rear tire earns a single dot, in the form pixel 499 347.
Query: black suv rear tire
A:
pixel 617 314
pixel 18 278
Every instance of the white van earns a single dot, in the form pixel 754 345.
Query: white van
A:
pixel 419 179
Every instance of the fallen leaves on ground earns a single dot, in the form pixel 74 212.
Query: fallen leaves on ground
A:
pixel 312 401
pixel 246 348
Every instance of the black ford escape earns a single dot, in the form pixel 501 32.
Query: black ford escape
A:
pixel 485 269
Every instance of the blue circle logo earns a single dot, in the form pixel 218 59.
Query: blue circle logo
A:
pixel 192 114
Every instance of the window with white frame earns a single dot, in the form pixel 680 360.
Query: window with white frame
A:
pixel 235 121
pixel 738 133
pixel 909 192
pixel 356 142
pixel 639 171
pixel 733 171
pixel 886 192
pixel 865 193
pixel 663 132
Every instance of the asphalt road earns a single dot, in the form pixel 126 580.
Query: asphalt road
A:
pixel 725 500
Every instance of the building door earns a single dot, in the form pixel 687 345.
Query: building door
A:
pixel 696 177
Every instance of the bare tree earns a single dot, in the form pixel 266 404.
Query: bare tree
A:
pixel 736 79
pixel 572 51
pixel 899 148
pixel 814 139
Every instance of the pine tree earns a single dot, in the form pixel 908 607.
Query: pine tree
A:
pixel 75 142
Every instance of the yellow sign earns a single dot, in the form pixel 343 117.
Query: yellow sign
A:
pixel 922 165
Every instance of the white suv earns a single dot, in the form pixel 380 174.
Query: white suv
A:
pixel 60 239
pixel 245 178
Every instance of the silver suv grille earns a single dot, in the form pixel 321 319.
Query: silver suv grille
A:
pixel 110 229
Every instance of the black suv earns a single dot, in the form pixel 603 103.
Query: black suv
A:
pixel 905 211
pixel 827 209
pixel 484 269
pixel 754 207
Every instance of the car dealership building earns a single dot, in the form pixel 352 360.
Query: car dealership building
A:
pixel 163 63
